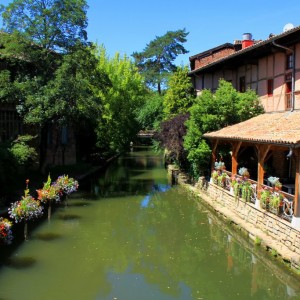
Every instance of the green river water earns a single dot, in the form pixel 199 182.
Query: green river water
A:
pixel 128 234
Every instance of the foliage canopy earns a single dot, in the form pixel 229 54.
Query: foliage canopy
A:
pixel 156 61
pixel 211 112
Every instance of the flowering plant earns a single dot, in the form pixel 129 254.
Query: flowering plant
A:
pixel 25 209
pixel 66 184
pixel 219 165
pixel 49 192
pixel 244 172
pixel 5 231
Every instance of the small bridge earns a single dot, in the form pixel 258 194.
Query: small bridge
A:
pixel 146 133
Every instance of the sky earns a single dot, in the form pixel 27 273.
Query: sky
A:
pixel 128 26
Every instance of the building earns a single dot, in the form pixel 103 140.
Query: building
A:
pixel 271 67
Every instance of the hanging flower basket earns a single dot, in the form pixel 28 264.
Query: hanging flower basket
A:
pixel 48 194
pixel 66 185
pixel 26 209
pixel 5 231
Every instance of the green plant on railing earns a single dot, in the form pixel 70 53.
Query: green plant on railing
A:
pixel 275 200
pixel 215 175
pixel 265 198
pixel 246 190
pixel 222 179
pixel 236 185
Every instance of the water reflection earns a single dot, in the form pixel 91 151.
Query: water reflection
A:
pixel 141 239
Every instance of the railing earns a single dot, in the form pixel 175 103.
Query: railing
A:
pixel 248 191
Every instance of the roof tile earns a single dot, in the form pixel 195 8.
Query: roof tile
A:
pixel 275 128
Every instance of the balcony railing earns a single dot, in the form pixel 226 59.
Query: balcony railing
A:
pixel 247 190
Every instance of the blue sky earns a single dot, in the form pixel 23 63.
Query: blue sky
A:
pixel 127 26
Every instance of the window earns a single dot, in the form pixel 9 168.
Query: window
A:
pixel 10 124
pixel 289 61
pixel 242 84
pixel 270 87
pixel 288 95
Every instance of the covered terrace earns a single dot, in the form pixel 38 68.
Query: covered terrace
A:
pixel 273 139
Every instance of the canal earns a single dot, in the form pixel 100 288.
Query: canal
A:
pixel 128 234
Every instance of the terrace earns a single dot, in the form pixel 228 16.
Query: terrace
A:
pixel 268 145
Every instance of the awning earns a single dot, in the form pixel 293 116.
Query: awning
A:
pixel 280 128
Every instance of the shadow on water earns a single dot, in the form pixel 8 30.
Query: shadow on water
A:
pixel 79 204
pixel 47 236
pixel 21 262
pixel 68 217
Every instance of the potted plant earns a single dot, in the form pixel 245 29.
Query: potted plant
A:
pixel 221 179
pixel 214 176
pixel 264 198
pixel 278 185
pixel 274 202
pixel 219 165
pixel 244 173
pixel 236 184
pixel 246 191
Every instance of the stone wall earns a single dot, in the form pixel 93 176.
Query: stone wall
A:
pixel 273 232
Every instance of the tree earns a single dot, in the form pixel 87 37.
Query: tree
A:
pixel 155 62
pixel 51 69
pixel 211 112
pixel 51 24
pixel 150 114
pixel 121 102
pixel 170 138
pixel 180 93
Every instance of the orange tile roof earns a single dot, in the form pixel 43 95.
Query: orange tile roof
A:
pixel 275 128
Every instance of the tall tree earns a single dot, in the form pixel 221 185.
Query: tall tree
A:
pixel 156 61
pixel 121 102
pixel 50 24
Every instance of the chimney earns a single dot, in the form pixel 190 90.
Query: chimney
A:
pixel 247 40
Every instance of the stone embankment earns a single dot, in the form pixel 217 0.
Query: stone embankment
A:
pixel 275 234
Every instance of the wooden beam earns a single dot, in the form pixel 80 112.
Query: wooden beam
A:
pixel 297 181
pixel 234 157
pixel 214 154
pixel 262 151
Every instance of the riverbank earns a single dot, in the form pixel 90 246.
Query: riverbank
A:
pixel 274 234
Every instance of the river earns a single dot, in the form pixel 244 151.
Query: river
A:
pixel 128 234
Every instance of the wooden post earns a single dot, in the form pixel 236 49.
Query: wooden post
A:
pixel 297 181
pixel 234 161
pixel 213 154
pixel 296 217
pixel 262 153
